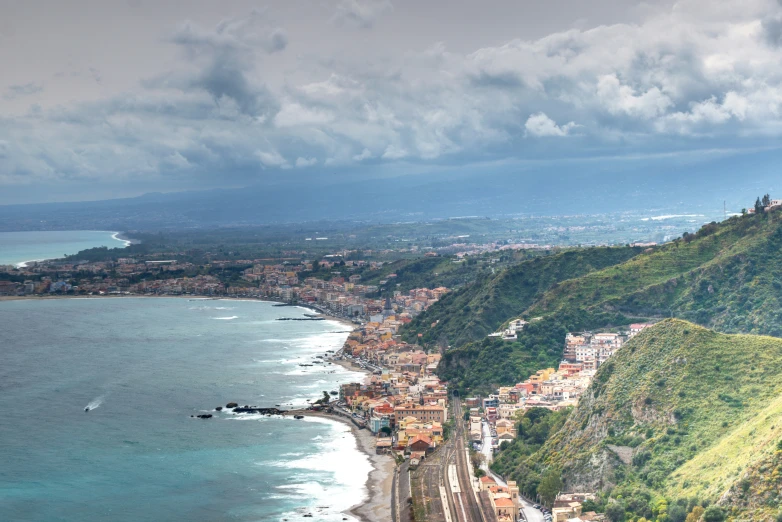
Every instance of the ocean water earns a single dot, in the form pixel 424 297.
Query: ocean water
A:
pixel 144 366
pixel 18 247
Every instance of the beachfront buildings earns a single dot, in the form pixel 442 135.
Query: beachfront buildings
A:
pixel 401 395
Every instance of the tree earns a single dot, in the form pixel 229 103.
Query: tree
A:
pixel 550 486
pixel 766 200
pixel 695 514
pixel 615 512
pixel 677 513
pixel 385 430
pixel 713 514
pixel 325 399
pixel 758 206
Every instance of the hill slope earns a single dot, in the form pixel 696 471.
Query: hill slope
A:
pixel 480 308
pixel 688 409
pixel 727 276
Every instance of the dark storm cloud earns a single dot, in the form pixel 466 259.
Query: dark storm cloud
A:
pixel 227 54
pixel 253 94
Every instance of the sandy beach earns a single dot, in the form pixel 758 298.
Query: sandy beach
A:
pixel 377 507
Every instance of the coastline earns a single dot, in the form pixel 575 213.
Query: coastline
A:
pixel 377 506
pixel 379 484
pixel 116 236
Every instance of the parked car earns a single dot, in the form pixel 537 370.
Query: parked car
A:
pixel 536 506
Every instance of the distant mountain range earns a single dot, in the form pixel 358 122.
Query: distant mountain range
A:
pixel 553 190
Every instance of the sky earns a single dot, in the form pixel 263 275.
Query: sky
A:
pixel 103 98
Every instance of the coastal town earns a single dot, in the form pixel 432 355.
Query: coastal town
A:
pixel 402 402
pixel 339 295
pixel 406 407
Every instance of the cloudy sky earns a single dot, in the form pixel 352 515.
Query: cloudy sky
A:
pixel 111 98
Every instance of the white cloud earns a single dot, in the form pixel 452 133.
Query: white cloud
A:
pixel 622 99
pixel 293 114
pixel 365 154
pixel 394 152
pixel 271 158
pixel 541 125
pixel 305 162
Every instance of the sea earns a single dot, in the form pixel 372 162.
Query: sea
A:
pixel 16 248
pixel 144 367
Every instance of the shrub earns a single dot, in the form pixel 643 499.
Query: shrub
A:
pixel 713 514
pixel 615 512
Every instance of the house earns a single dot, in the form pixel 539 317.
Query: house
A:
pixel 504 501
pixel 565 513
pixel 420 443
pixel 383 445
pixel 504 426
pixel 636 328
pixel 487 482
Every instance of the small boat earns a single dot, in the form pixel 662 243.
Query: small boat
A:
pixel 87 408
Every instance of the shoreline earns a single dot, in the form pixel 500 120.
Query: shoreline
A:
pixel 377 506
pixel 116 236
pixel 378 485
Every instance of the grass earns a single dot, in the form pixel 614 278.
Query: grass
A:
pixel 699 408
pixel 710 473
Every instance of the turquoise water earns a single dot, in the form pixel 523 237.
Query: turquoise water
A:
pixel 145 365
pixel 18 247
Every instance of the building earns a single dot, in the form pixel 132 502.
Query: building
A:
pixel 420 443
pixel 421 413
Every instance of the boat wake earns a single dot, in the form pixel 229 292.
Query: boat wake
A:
pixel 95 403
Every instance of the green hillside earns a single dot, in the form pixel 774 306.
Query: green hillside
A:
pixel 727 276
pixel 679 413
pixel 483 306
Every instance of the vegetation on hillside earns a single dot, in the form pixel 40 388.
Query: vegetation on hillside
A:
pixel 533 430
pixel 482 366
pixel 482 307
pixel 675 419
pixel 726 276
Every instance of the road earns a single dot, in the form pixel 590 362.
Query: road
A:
pixel 488 454
pixel 531 514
